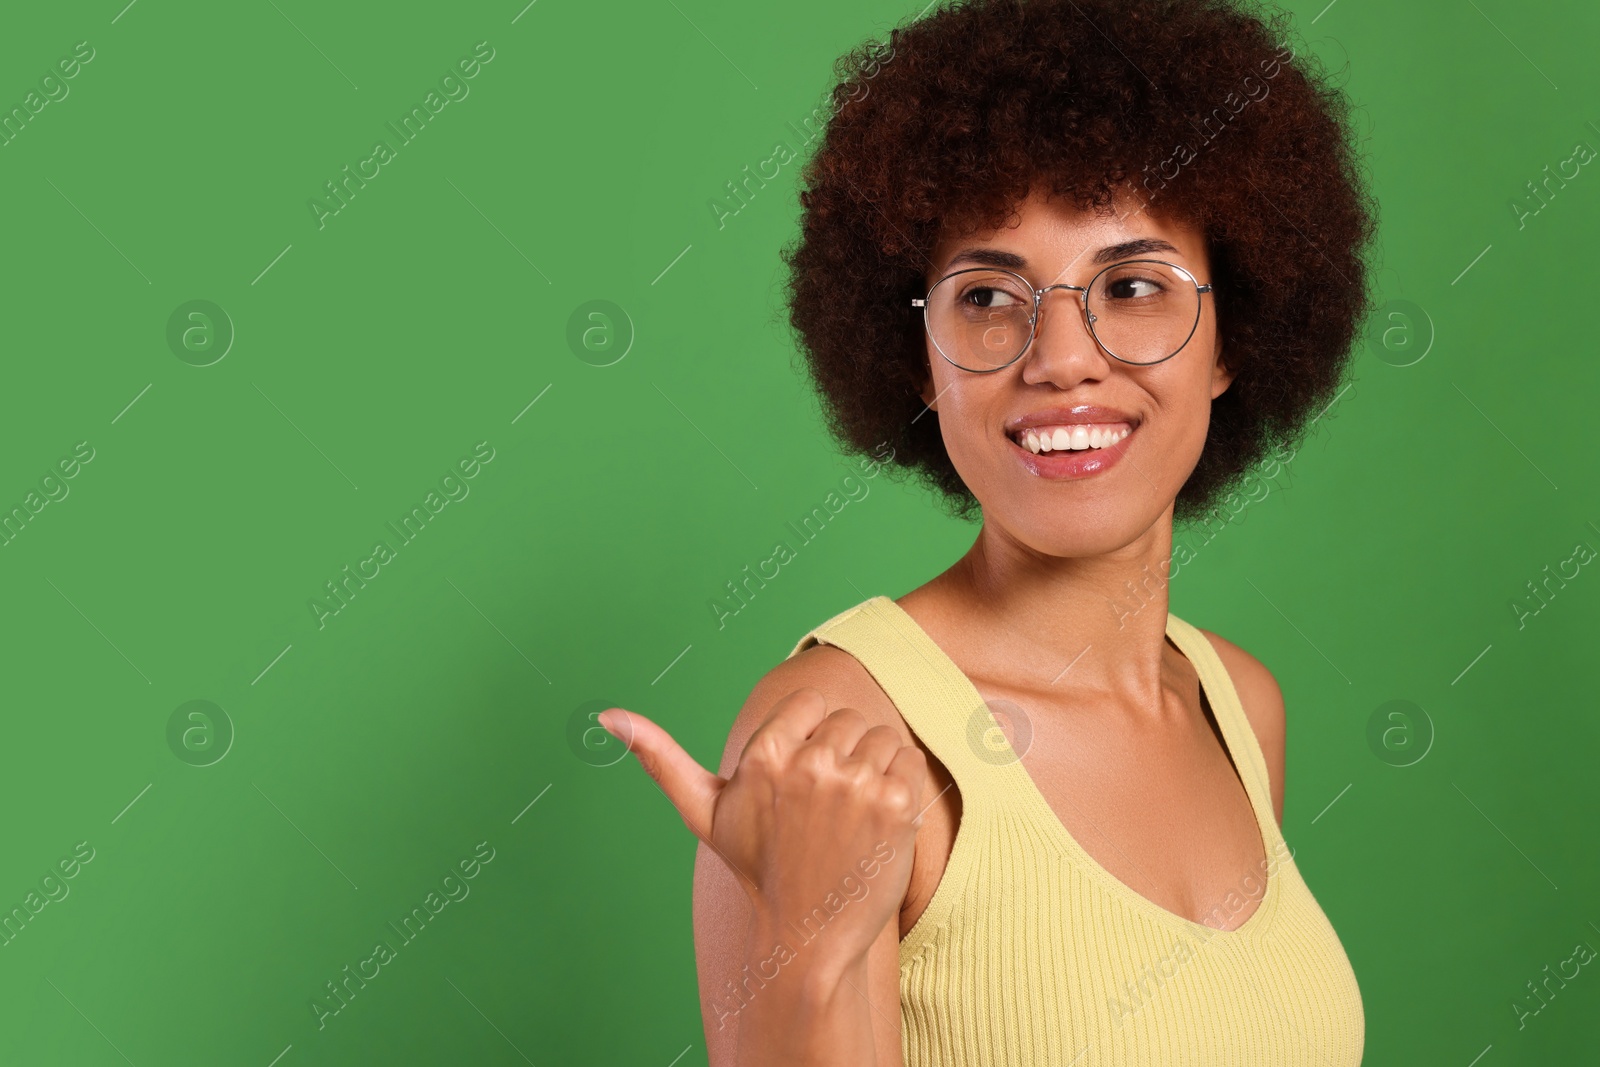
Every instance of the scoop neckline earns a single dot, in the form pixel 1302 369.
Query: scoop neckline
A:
pixel 1092 867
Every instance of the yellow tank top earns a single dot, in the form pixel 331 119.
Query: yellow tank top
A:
pixel 1031 954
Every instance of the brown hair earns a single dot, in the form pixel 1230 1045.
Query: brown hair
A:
pixel 1195 103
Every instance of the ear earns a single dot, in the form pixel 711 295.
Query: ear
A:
pixel 1221 375
pixel 930 395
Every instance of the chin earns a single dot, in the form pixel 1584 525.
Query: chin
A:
pixel 1068 531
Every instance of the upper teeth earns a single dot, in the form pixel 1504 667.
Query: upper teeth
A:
pixel 1059 438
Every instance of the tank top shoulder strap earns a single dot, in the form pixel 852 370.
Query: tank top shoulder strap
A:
pixel 937 701
pixel 1237 730
pixel 943 708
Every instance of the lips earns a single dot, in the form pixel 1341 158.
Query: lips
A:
pixel 1069 443
pixel 1077 415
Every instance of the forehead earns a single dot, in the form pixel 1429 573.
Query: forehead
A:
pixel 1052 235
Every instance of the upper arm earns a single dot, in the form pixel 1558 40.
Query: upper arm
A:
pixel 1263 706
pixel 722 909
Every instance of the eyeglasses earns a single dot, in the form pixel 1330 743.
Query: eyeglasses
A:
pixel 1141 311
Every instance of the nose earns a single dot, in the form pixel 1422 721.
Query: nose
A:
pixel 1063 350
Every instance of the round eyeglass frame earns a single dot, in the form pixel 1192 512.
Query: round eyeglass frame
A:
pixel 1038 296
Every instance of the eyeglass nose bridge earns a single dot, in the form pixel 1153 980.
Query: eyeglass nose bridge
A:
pixel 1038 307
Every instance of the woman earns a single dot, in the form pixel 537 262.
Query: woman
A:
pixel 1083 264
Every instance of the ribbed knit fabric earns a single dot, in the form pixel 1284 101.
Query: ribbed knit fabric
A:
pixel 1031 954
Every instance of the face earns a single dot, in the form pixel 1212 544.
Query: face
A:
pixel 1152 419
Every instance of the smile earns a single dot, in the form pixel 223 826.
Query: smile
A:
pixel 1076 438
pixel 1070 451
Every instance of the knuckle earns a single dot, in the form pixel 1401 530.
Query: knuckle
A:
pixel 764 752
pixel 848 714
pixel 895 799
pixel 806 694
pixel 859 775
pixel 814 762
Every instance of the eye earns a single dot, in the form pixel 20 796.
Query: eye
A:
pixel 1133 287
pixel 990 296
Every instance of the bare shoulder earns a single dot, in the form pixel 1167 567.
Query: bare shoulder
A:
pixel 834 673
pixel 1262 700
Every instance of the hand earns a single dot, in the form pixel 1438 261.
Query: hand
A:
pixel 818 821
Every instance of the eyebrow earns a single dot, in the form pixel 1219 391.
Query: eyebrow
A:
pixel 990 257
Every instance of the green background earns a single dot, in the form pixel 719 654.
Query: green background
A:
pixel 433 712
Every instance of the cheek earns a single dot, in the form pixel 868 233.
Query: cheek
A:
pixel 949 398
pixel 1184 408
pixel 969 412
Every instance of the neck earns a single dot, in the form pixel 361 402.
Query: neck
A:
pixel 1094 622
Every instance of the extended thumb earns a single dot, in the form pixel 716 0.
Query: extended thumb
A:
pixel 690 787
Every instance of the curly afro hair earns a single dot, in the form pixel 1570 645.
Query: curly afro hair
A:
pixel 1198 106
